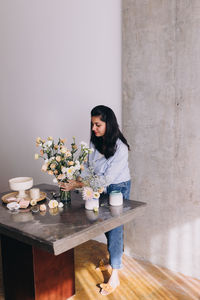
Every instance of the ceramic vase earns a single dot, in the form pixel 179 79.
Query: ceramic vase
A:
pixel 92 204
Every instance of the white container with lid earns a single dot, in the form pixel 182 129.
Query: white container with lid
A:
pixel 115 198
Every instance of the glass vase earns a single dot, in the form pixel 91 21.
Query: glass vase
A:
pixel 65 196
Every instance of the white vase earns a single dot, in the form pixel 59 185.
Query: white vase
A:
pixel 91 204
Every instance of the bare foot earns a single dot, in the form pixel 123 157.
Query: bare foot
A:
pixel 111 285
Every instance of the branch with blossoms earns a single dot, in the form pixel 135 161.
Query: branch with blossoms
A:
pixel 64 163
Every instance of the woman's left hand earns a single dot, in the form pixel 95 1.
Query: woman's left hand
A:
pixel 70 185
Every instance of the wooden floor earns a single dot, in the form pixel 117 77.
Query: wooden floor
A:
pixel 139 279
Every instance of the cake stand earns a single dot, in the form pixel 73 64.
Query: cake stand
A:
pixel 21 184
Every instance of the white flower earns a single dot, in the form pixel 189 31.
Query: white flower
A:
pixel 87 193
pixel 68 153
pixel 96 195
pixel 55 180
pixel 64 170
pixel 63 150
pixel 83 144
pixel 53 203
pixel 60 204
pixel 47 144
pixel 70 172
pixel 51 158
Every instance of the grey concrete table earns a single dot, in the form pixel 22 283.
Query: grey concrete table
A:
pixel 37 248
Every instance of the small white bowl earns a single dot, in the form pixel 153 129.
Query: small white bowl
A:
pixel 13 206
pixel 21 184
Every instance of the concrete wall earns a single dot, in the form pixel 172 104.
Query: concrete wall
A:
pixel 161 119
pixel 58 59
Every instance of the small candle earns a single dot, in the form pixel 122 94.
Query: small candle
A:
pixel 115 198
pixel 35 193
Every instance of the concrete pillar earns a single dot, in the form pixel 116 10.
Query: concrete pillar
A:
pixel 161 120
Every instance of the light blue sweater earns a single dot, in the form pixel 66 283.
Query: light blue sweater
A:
pixel 115 168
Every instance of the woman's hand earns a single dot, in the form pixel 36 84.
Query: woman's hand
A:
pixel 70 185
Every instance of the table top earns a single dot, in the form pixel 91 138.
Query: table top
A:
pixel 63 229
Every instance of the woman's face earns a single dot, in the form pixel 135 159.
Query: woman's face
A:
pixel 98 126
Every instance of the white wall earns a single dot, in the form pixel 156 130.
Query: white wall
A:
pixel 58 59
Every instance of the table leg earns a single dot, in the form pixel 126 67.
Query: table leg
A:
pixel 34 274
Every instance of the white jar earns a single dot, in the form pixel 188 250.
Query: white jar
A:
pixel 115 198
pixel 91 204
pixel 35 193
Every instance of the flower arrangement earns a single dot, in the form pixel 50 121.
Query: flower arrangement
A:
pixel 64 163
pixel 94 185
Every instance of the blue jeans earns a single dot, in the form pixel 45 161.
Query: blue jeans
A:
pixel 115 237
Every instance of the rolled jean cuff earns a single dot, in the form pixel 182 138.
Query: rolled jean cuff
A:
pixel 118 267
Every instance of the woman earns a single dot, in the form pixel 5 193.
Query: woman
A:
pixel 110 159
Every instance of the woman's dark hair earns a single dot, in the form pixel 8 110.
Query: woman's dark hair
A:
pixel 107 144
